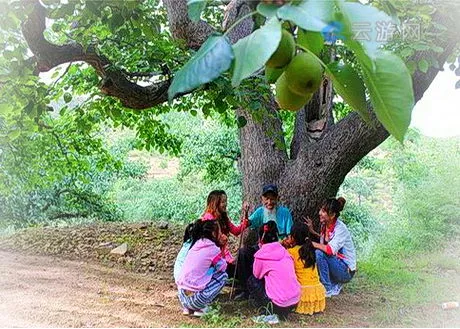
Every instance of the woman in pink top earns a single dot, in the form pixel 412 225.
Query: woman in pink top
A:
pixel 274 280
pixel 216 209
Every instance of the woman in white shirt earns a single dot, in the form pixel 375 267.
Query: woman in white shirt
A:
pixel 335 253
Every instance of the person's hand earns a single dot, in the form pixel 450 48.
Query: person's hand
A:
pixel 223 239
pixel 287 242
pixel 245 207
pixel 309 223
pixel 244 214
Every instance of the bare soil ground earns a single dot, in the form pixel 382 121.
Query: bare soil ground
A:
pixel 50 291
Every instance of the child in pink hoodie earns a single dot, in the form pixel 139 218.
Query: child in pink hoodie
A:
pixel 274 281
pixel 203 275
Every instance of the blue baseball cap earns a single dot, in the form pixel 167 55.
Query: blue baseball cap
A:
pixel 270 188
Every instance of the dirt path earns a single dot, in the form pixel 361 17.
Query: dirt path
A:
pixel 44 291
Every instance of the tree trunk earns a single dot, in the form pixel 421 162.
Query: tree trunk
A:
pixel 262 161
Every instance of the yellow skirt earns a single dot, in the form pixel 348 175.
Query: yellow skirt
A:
pixel 312 300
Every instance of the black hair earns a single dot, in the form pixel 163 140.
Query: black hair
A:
pixel 212 205
pixel 188 232
pixel 268 232
pixel 333 206
pixel 250 237
pixel 205 230
pixel 301 236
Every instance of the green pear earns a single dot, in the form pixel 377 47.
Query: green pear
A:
pixel 272 74
pixel 288 100
pixel 285 51
pixel 304 74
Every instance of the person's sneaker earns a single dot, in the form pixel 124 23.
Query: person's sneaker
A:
pixel 201 312
pixel 270 319
pixel 186 311
pixel 337 289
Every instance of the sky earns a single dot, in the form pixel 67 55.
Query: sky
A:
pixel 437 114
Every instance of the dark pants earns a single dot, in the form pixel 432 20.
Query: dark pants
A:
pixel 257 292
pixel 245 262
pixel 230 270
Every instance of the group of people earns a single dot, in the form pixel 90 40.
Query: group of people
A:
pixel 282 266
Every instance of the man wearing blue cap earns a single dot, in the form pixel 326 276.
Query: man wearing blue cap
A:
pixel 270 210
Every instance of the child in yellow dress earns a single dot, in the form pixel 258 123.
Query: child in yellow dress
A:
pixel 313 296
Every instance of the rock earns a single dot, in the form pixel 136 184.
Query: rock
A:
pixel 142 226
pixel 163 225
pixel 120 250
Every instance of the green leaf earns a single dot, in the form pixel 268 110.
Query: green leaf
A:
pixel 241 121
pixel 267 10
pixel 349 86
pixel 313 41
pixel 67 97
pixel 391 93
pixel 423 65
pixel 311 15
pixel 195 8
pixel 407 52
pixel 360 25
pixel 421 47
pixel 253 51
pixel 411 66
pixel 116 21
pixel 213 58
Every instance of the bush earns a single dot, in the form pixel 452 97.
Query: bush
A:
pixel 170 199
pixel 363 226
pixel 133 169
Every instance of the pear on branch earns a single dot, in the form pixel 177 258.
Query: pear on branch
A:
pixel 287 99
pixel 284 53
pixel 304 74
pixel 272 74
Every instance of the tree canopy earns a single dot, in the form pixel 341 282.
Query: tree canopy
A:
pixel 126 63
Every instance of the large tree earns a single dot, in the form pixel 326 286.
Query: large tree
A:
pixel 143 36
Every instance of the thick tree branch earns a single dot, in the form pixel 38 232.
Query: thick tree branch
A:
pixel 194 34
pixel 235 10
pixel 114 82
